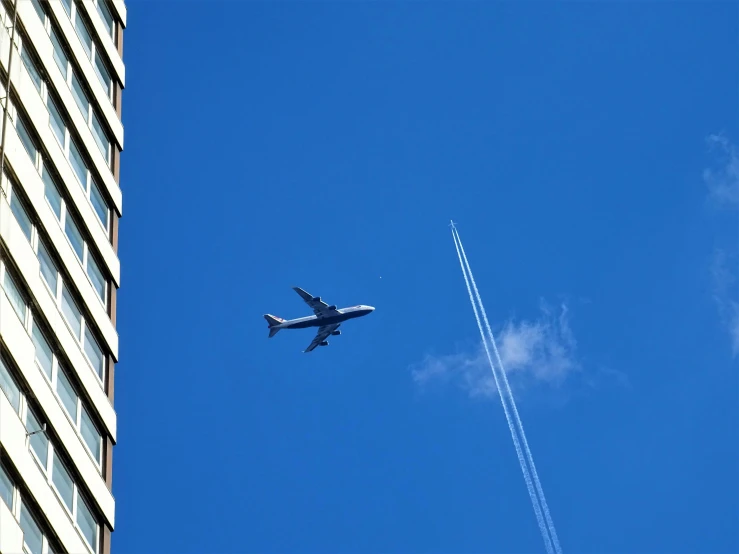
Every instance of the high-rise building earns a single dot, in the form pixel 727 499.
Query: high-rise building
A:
pixel 61 78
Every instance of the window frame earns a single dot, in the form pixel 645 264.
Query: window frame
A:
pixel 63 219
pixel 41 167
pixel 71 142
pixel 30 325
pixel 19 506
pixel 62 283
pixel 112 27
pixel 58 366
pixel 94 122
pixel 66 221
pixel 71 75
pixel 47 469
pixel 58 297
pixel 96 53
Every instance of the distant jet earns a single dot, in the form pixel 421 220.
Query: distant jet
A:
pixel 327 319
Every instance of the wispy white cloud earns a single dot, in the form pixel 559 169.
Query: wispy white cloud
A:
pixel 734 329
pixel 723 182
pixel 725 295
pixel 723 190
pixel 540 351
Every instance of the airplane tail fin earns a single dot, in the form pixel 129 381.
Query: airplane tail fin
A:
pixel 273 322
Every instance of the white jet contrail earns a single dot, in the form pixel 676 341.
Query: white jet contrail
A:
pixel 519 424
pixel 511 427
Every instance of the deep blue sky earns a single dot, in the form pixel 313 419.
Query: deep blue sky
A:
pixel 327 145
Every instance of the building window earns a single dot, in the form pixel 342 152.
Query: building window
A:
pixel 96 278
pixel 39 441
pixel 57 474
pixel 31 67
pixel 48 268
pixel 77 161
pixel 72 150
pixel 99 205
pixel 89 264
pixel 79 324
pixel 53 196
pixel 102 72
pixel 87 523
pixel 63 483
pixel 106 16
pixel 75 238
pixel 80 97
pixel 39 9
pixel 6 488
pixel 94 353
pixel 88 184
pixel 49 363
pixel 101 138
pixel 92 436
pixel 60 56
pixel 51 192
pixel 78 164
pixel 92 49
pixel 84 34
pixel 44 355
pixel 71 313
pixel 66 392
pixel 28 142
pixel 20 214
pixel 33 538
pixel 57 123
pixel 9 387
pixel 92 120
pixel 14 295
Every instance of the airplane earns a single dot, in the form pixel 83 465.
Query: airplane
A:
pixel 327 319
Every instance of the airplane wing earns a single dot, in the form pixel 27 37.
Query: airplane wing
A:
pixel 323 333
pixel 320 308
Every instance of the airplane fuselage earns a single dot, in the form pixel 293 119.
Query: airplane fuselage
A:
pixel 318 321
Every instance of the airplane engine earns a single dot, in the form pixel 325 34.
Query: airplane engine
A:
pixel 324 343
pixel 316 299
pixel 336 333
pixel 332 307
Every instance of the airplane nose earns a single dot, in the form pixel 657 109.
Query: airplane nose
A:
pixel 371 308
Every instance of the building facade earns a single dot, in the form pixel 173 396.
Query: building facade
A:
pixel 61 80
